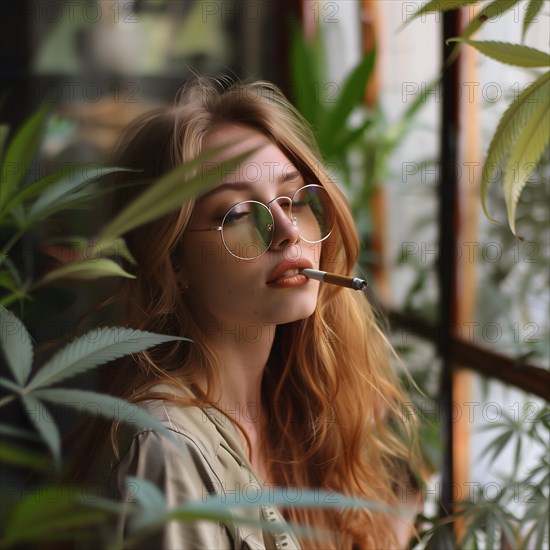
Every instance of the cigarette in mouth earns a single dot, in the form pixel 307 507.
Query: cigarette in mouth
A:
pixel 334 279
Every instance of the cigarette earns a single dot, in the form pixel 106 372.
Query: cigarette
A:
pixel 333 279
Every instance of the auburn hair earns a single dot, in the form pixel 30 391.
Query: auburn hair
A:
pixel 333 399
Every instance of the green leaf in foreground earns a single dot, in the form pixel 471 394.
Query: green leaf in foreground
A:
pixel 35 187
pixel 232 506
pixel 524 156
pixel 171 191
pixel 4 131
pixel 16 344
pixel 86 270
pixel 19 433
pixel 509 127
pixel 492 11
pixel 94 348
pixel 52 512
pixel 64 188
pixel 44 424
pixel 438 5
pixel 18 456
pixel 517 55
pixel 20 153
pixel 106 406
pixel 531 12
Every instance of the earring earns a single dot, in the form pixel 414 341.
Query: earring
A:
pixel 183 286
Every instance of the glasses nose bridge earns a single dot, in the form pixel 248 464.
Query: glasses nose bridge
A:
pixel 288 214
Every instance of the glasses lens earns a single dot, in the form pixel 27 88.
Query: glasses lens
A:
pixel 313 211
pixel 247 229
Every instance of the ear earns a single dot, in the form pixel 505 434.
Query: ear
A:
pixel 180 276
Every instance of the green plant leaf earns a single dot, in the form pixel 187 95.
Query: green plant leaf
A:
pixel 116 247
pixel 4 131
pixel 525 154
pixel 542 526
pixel 58 514
pixel 106 406
pixel 6 280
pixel 352 94
pixel 86 270
pixel 507 531
pixel 18 456
pixel 509 128
pixel 16 344
pixel 352 136
pixel 305 78
pixel 531 11
pixel 21 152
pixel 497 445
pixel 36 187
pixel 438 6
pixel 10 385
pixel 43 422
pixel 93 349
pixel 11 431
pixel 149 496
pixel 490 11
pixel 442 538
pixel 517 55
pixel 223 507
pixel 64 191
pixel 517 455
pixel 10 281
pixel 170 191
pixel 490 531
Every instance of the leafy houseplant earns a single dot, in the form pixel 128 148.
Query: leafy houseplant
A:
pixel 346 128
pixel 23 208
pixel 517 516
pixel 523 132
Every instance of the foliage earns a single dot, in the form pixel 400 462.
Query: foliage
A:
pixel 345 127
pixel 523 132
pixel 517 516
pixel 24 207
pixel 486 521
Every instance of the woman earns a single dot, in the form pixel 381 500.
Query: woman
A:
pixel 287 381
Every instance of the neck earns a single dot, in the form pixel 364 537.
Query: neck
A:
pixel 244 349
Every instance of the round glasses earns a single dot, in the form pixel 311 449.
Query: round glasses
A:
pixel 247 228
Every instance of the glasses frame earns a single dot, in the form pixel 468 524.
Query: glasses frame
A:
pixel 268 208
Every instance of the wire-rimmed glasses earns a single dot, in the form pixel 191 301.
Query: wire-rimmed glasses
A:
pixel 247 230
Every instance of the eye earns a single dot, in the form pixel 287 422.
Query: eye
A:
pixel 240 213
pixel 303 201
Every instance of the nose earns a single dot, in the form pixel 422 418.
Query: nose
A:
pixel 285 231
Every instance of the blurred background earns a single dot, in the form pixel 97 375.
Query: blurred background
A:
pixel 467 300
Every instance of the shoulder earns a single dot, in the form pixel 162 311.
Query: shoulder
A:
pixel 203 432
pixel 204 456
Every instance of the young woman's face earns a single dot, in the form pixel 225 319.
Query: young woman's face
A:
pixel 259 292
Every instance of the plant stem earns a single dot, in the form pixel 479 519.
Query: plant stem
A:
pixel 9 244
pixel 6 400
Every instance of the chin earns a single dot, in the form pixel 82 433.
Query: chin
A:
pixel 300 309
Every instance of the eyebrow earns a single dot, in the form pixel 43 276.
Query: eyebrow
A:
pixel 242 185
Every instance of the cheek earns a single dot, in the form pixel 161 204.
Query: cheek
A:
pixel 211 268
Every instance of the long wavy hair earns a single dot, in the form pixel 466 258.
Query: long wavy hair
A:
pixel 333 400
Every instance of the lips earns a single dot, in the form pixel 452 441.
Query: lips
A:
pixel 287 269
